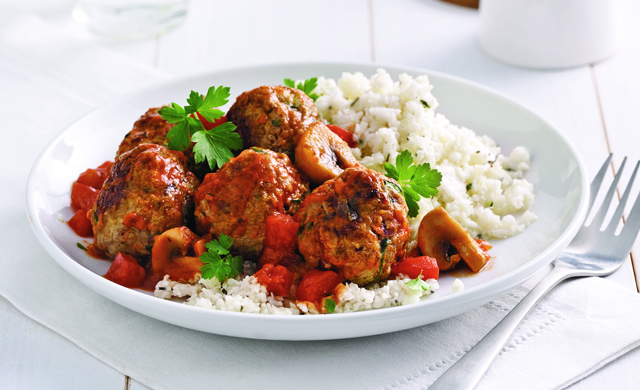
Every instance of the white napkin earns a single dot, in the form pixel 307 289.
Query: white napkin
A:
pixel 47 79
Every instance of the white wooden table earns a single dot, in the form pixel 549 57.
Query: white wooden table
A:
pixel 596 106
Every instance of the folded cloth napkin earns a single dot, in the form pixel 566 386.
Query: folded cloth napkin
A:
pixel 48 79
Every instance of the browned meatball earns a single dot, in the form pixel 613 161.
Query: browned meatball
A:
pixel 148 191
pixel 355 224
pixel 273 117
pixel 238 198
pixel 152 129
pixel 149 129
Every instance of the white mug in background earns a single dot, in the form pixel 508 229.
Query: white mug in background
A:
pixel 549 34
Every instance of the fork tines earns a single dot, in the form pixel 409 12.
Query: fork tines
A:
pixel 632 223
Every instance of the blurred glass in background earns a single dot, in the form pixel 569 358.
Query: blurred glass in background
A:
pixel 130 19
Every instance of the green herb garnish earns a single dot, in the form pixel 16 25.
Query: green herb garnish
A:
pixel 219 262
pixel 425 104
pixel 383 248
pixel 258 150
pixel 213 145
pixel 418 284
pixel 79 245
pixel 330 305
pixel 307 87
pixel 415 181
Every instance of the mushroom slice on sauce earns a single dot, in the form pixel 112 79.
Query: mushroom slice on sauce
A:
pixel 169 255
pixel 442 237
pixel 322 155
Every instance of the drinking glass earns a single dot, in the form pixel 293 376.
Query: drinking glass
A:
pixel 130 19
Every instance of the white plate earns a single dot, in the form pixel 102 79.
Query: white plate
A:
pixel 556 172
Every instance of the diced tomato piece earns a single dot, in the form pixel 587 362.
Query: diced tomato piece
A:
pixel 125 271
pixel 280 239
pixel 208 125
pixel 93 177
pixel 83 196
pixel 276 279
pixel 346 135
pixel 281 232
pixel 414 265
pixel 316 285
pixel 106 166
pixel 81 224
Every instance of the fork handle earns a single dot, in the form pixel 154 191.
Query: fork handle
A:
pixel 469 369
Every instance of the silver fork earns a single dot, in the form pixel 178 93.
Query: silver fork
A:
pixel 593 252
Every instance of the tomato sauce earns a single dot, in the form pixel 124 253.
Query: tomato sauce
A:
pixel 95 253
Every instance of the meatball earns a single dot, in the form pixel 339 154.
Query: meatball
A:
pixel 273 117
pixel 237 199
pixel 152 129
pixel 148 191
pixel 355 224
pixel 149 129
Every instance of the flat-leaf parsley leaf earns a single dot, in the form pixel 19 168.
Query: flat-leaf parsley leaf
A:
pixel 219 262
pixel 213 145
pixel 209 142
pixel 307 87
pixel 415 181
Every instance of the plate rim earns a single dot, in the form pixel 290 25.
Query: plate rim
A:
pixel 481 293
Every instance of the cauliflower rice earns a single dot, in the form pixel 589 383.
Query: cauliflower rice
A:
pixel 484 190
pixel 246 295
pixel 481 188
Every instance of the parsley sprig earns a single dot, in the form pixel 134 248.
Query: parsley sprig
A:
pixel 213 145
pixel 418 284
pixel 415 181
pixel 307 87
pixel 219 262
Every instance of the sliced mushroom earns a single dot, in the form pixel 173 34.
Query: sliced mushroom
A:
pixel 442 237
pixel 199 244
pixel 169 255
pixel 322 155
